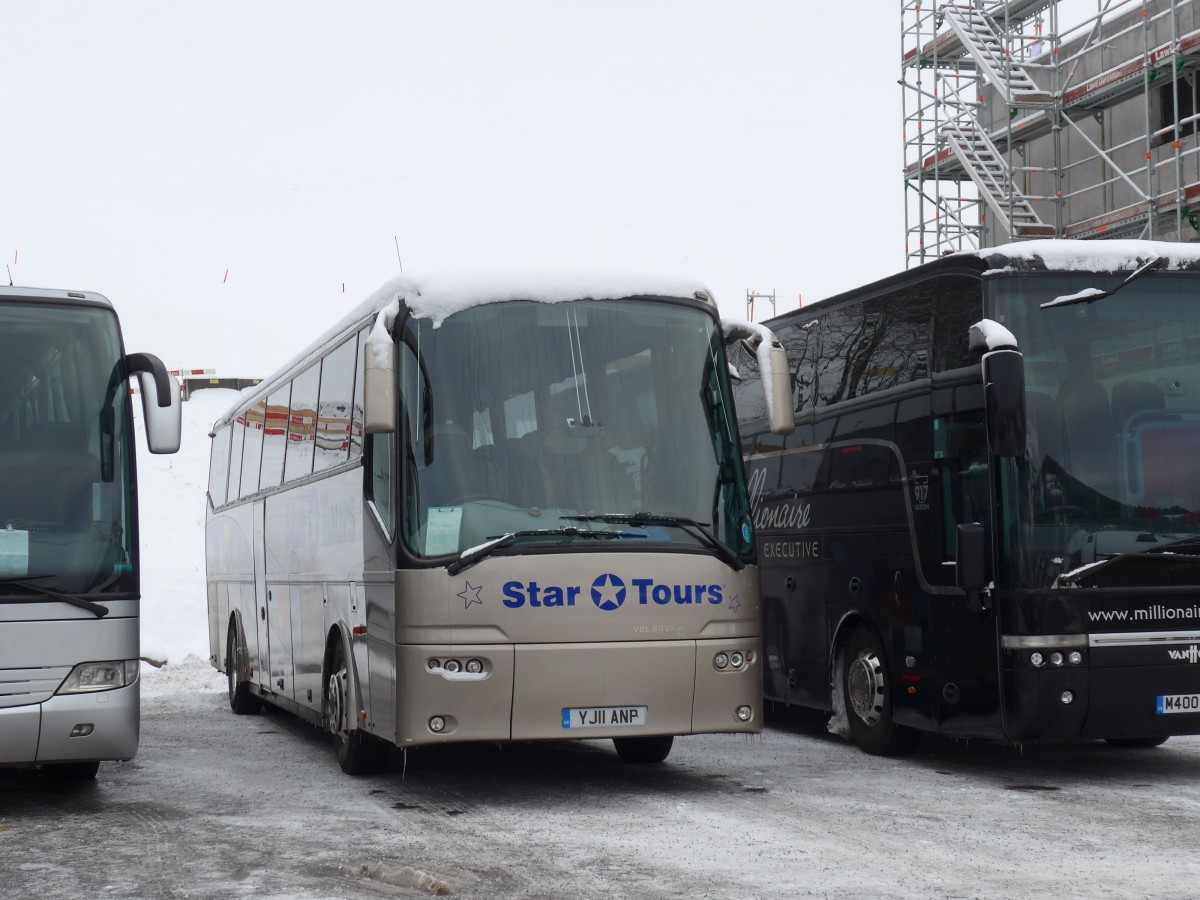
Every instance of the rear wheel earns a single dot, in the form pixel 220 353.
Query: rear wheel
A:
pixel 644 749
pixel 241 701
pixel 358 753
pixel 1137 742
pixel 867 692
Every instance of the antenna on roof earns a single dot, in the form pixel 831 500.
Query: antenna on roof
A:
pixel 10 283
pixel 398 259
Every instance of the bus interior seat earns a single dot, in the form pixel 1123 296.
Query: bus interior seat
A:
pixel 453 473
pixel 1044 415
pixel 1089 438
pixel 582 471
pixel 1135 398
pixel 526 474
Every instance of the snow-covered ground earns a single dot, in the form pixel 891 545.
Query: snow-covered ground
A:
pixel 223 805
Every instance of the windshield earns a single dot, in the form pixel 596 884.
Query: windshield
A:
pixel 1113 407
pixel 65 515
pixel 547 420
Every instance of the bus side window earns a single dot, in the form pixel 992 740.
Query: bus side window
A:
pixel 381 486
pixel 238 427
pixel 302 424
pixel 218 468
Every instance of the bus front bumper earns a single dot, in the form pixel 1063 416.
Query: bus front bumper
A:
pixel 580 690
pixel 105 726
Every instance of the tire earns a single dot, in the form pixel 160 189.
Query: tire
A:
pixel 358 753
pixel 642 750
pixel 241 701
pixel 1134 743
pixel 867 693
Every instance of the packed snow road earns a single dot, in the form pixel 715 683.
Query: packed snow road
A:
pixel 218 805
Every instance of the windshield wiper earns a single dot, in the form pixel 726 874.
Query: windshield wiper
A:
pixel 1091 295
pixel 475 554
pixel 50 594
pixel 691 526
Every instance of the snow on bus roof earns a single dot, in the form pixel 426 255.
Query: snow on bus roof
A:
pixel 438 296
pixel 1067 255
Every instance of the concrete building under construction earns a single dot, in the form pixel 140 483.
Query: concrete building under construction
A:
pixel 1020 125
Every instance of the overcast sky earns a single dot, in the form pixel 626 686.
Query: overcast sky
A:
pixel 235 175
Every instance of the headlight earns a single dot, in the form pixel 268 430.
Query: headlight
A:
pixel 87 678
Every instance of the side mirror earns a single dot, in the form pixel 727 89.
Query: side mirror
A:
pixel 1004 392
pixel 379 377
pixel 970 561
pixel 162 407
pixel 773 364
pixel 779 390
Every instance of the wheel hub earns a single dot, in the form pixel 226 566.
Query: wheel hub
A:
pixel 865 687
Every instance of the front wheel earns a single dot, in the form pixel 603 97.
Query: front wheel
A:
pixel 867 692
pixel 644 749
pixel 358 753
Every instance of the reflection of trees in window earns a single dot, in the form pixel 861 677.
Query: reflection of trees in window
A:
pixel 748 397
pixel 875 345
pixel 959 305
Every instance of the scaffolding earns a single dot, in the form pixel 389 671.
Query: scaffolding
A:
pixel 1018 128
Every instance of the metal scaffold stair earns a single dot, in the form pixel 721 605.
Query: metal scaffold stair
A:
pixel 981 160
pixel 980 35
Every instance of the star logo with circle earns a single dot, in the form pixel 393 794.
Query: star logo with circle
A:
pixel 608 592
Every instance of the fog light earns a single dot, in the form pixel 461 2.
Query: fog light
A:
pixel 435 664
pixel 749 657
pixel 82 730
pixel 1056 658
pixel 1075 658
pixel 453 666
pixel 736 659
pixel 474 666
pixel 744 713
pixel 436 724
pixel 1037 659
pixel 721 660
pixel 1068 697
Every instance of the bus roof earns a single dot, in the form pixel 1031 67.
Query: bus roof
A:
pixel 438 297
pixel 1085 256
pixel 53 295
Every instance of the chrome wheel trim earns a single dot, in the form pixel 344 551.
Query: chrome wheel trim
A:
pixel 865 687
pixel 335 699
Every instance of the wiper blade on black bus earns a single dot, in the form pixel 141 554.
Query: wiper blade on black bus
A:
pixel 26 582
pixel 645 520
pixel 475 554
pixel 1091 295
